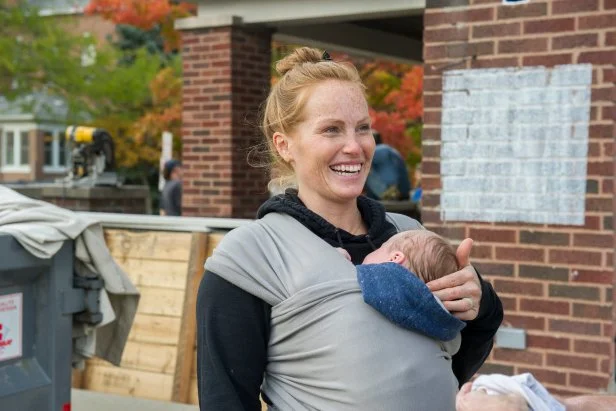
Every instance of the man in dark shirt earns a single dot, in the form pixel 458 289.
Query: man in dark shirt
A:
pixel 171 197
pixel 388 178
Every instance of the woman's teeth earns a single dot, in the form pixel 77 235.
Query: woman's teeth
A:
pixel 344 170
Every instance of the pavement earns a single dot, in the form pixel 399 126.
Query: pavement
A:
pixel 82 400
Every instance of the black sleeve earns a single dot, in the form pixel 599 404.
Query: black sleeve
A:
pixel 232 337
pixel 478 334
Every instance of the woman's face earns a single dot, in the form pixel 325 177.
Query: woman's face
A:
pixel 331 149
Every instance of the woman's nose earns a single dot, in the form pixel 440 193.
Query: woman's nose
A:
pixel 352 145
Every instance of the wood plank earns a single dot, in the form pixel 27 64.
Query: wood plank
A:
pixel 193 395
pixel 161 301
pixel 193 371
pixel 145 357
pixel 151 245
pixel 133 383
pixel 155 273
pixel 155 329
pixel 186 341
pixel 212 241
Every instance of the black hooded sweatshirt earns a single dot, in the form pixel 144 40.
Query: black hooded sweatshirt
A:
pixel 233 326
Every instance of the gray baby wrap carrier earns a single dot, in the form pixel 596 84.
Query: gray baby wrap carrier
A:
pixel 328 350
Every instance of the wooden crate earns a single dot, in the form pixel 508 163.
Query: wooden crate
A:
pixel 159 360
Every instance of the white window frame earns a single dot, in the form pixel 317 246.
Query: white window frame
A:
pixel 57 133
pixel 17 129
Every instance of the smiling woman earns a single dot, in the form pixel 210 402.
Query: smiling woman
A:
pixel 280 311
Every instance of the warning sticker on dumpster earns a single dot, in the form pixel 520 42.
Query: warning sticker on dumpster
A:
pixel 11 311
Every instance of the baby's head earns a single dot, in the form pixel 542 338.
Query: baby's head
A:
pixel 426 254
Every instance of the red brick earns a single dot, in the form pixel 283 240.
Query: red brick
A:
pixel 482 251
pixel 549 25
pixel 525 357
pixel 548 60
pixel 606 365
pixel 574 292
pixel 607 330
pixel 430 151
pixel 599 204
pixel 568 6
pixel 593 347
pixel 534 305
pixel 458 50
pixel 522 10
pixel 433 84
pixel 509 303
pixel 432 117
pixel 547 342
pixel 433 100
pixel 608 113
pixel 593 240
pixel 497 30
pixel 436 18
pixel 494 62
pixel 610 38
pixel 574 257
pixel 431 133
pixel 575 40
pixel 546 376
pixel 532 45
pixel 519 287
pixel 433 183
pixel 609 4
pixel 598 57
pixel 492 368
pixel 542 272
pixel 602 21
pixel 494 269
pixel 539 237
pixel 430 167
pixel 570 361
pixel 591 276
pixel 602 312
pixel 520 254
pixel 493 236
pixel 525 321
pixel 574 327
pixel 597 131
pixel 446 34
pixel 431 200
pixel 588 381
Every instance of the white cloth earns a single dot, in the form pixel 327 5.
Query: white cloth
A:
pixel 41 228
pixel 524 385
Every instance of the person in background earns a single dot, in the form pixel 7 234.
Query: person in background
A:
pixel 171 197
pixel 388 178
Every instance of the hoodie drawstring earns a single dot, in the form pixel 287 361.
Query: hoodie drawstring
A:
pixel 339 238
pixel 370 242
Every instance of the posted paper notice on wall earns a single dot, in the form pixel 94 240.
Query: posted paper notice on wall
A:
pixel 11 314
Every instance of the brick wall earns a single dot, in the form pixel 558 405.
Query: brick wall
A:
pixel 555 281
pixel 226 76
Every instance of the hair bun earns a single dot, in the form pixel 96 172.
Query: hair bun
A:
pixel 298 57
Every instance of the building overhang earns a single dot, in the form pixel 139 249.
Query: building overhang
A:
pixel 390 29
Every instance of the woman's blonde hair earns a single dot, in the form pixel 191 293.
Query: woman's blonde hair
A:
pixel 302 69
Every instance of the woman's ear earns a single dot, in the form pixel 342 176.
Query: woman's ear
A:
pixel 282 144
pixel 397 257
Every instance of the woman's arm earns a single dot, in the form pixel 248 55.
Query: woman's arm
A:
pixel 232 338
pixel 478 334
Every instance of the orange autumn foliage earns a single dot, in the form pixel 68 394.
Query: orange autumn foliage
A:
pixel 145 14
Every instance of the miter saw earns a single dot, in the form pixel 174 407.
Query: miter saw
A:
pixel 92 159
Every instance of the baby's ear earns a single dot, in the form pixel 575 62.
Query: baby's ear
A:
pixel 397 257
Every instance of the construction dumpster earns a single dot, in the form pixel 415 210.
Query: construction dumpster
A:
pixel 39 299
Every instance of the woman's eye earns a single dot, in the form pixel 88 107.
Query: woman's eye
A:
pixel 365 128
pixel 331 130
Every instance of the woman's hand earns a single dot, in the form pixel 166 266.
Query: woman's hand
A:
pixel 460 292
pixel 468 400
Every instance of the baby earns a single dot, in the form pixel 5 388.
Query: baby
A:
pixel 404 299
pixel 425 254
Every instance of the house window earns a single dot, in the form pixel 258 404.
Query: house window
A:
pixel 15 149
pixel 48 148
pixel 54 147
pixel 24 158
